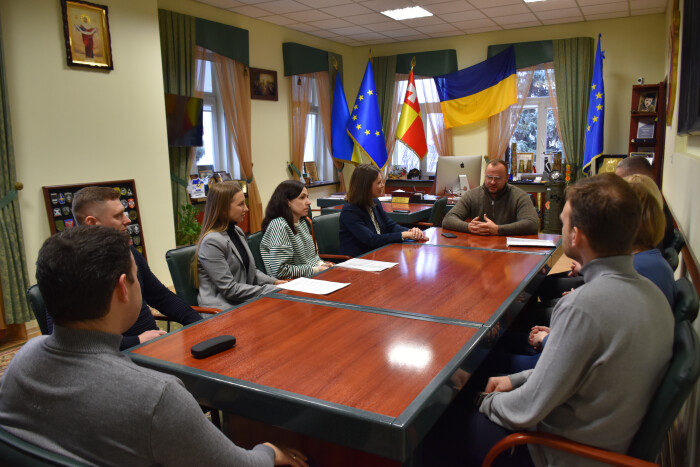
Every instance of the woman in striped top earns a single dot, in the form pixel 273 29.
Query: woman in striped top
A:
pixel 287 247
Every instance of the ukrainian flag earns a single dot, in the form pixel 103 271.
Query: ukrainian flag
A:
pixel 478 92
pixel 341 142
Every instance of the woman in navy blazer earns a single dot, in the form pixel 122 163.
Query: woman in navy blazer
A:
pixel 364 225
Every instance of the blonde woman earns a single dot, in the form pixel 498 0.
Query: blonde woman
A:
pixel 225 266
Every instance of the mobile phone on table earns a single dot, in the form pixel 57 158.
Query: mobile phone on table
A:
pixel 401 210
pixel 449 235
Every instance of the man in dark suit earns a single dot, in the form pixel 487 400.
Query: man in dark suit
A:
pixel 101 206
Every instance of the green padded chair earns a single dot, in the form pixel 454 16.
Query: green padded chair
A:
pixel 325 230
pixel 686 307
pixel 180 265
pixel 254 245
pixel 671 394
pixel 17 452
pixel 36 302
pixel 436 215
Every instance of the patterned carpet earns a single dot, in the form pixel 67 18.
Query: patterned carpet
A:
pixel 6 356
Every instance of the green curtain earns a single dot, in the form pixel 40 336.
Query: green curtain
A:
pixel 229 41
pixel 177 46
pixel 384 78
pixel 432 63
pixel 300 59
pixel 14 278
pixel 573 68
pixel 526 53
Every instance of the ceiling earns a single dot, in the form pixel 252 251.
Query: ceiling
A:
pixel 358 22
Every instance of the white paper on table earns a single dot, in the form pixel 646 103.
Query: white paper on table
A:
pixel 366 264
pixel 513 241
pixel 384 199
pixel 315 286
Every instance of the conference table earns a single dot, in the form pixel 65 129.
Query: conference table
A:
pixel 358 376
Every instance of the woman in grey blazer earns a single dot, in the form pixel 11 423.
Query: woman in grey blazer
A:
pixel 226 272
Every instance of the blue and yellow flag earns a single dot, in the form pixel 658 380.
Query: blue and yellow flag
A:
pixel 340 141
pixel 365 124
pixel 593 146
pixel 477 92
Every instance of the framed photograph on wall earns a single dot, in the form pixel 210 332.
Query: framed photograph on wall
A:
pixel 310 169
pixel 263 84
pixel 86 32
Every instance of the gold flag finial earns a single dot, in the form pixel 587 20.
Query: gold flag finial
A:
pixel 335 63
pixel 413 62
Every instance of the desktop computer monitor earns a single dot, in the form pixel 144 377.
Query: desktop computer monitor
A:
pixel 449 169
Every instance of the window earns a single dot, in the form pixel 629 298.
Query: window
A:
pixel 536 131
pixel 315 146
pixel 402 155
pixel 218 150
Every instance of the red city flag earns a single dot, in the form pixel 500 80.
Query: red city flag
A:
pixel 410 129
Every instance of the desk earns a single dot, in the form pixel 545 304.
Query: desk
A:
pixel 367 368
pixel 418 212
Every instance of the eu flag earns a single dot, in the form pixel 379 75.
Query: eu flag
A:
pixel 365 124
pixel 341 142
pixel 593 146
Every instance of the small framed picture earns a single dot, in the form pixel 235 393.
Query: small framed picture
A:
pixel 310 169
pixel 645 128
pixel 647 102
pixel 263 84
pixel 86 31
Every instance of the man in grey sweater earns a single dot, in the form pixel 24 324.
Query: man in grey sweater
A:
pixel 75 394
pixel 495 208
pixel 611 339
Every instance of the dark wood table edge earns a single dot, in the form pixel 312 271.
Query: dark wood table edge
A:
pixel 376 310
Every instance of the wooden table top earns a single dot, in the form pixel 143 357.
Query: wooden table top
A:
pixel 366 361
pixel 492 242
pixel 453 283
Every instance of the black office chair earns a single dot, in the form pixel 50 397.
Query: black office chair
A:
pixel 686 306
pixel 436 215
pixel 325 231
pixel 670 396
pixel 17 452
pixel 36 302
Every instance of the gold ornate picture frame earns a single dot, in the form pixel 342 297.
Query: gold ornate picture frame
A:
pixel 86 31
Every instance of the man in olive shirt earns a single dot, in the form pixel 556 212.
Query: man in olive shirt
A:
pixel 495 208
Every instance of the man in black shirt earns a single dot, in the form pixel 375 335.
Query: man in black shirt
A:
pixel 101 206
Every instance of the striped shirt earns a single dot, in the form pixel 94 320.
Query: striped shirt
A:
pixel 286 255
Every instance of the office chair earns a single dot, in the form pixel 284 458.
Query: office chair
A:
pixel 36 302
pixel 671 394
pixel 686 306
pixel 436 215
pixel 180 265
pixel 254 245
pixel 325 232
pixel 17 452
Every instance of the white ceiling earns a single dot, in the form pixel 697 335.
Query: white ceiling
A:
pixel 358 22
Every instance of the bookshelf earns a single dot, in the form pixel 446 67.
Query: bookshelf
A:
pixel 648 124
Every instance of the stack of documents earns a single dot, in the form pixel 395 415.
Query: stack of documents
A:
pixel 315 286
pixel 536 242
pixel 366 264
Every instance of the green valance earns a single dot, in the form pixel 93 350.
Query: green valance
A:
pixel 300 59
pixel 433 63
pixel 229 41
pixel 526 53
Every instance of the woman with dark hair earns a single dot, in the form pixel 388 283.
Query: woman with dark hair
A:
pixel 226 272
pixel 287 246
pixel 364 225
